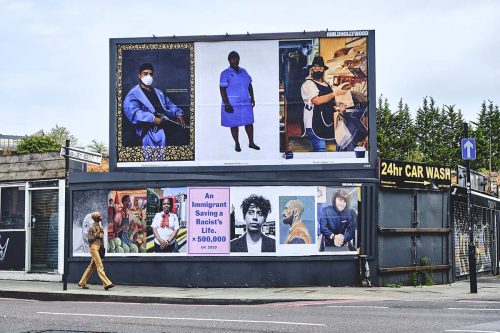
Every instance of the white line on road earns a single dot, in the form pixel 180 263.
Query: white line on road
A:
pixel 471 309
pixel 472 331
pixel 179 318
pixel 487 302
pixel 358 306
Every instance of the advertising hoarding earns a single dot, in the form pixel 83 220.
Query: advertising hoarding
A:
pixel 230 221
pixel 269 109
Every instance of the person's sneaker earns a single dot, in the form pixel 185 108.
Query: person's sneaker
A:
pixel 83 286
pixel 109 287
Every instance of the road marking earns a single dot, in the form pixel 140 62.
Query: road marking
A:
pixel 487 302
pixel 470 309
pixel 186 318
pixel 358 306
pixel 472 331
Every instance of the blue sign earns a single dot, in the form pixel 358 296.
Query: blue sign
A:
pixel 468 149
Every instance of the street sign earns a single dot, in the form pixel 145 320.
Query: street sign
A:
pixel 468 149
pixel 81 155
pixel 409 175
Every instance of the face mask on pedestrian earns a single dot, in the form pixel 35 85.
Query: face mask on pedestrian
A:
pixel 147 80
pixel 317 75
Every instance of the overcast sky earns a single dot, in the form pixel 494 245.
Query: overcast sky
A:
pixel 54 55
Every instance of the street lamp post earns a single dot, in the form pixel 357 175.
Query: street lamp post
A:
pixel 472 247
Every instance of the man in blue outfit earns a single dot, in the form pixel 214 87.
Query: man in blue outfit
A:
pixel 147 108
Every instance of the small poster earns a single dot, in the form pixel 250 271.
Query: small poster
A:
pixel 209 220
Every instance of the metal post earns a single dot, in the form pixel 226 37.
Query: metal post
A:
pixel 66 217
pixel 472 247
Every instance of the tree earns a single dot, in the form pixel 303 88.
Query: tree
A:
pixel 429 127
pixel 453 132
pixel 487 131
pixel 37 144
pixel 384 134
pixel 61 134
pixel 405 134
pixel 98 147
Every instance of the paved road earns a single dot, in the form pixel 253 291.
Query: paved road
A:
pixel 410 315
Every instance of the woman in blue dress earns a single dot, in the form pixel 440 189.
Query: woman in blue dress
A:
pixel 237 100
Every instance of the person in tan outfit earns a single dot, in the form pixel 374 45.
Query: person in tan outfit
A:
pixel 95 237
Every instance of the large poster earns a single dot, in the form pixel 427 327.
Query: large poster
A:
pixel 235 221
pixel 216 102
pixel 155 104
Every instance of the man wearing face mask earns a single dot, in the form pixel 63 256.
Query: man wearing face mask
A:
pixel 147 108
pixel 319 103
pixel 292 216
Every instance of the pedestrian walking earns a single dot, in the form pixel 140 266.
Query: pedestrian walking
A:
pixel 95 237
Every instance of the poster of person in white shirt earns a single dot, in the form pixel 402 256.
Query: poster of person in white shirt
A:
pixel 165 227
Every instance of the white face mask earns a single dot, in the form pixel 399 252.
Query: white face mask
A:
pixel 147 80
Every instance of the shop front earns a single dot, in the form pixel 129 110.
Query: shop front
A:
pixel 31 225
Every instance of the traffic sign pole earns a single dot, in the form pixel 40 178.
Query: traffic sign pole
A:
pixel 66 217
pixel 472 247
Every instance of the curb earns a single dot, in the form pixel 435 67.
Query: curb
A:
pixel 68 297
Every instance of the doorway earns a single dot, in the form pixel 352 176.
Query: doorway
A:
pixel 44 216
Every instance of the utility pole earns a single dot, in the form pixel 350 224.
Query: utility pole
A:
pixel 66 217
pixel 490 184
pixel 472 246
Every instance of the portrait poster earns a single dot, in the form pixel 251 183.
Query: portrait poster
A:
pixel 338 220
pixel 177 197
pixel 171 95
pixel 84 204
pixel 261 207
pixel 127 233
pixel 335 131
pixel 209 220
pixel 214 136
pixel 297 228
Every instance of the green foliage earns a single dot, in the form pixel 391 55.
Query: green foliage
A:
pixel 60 134
pixel 486 131
pixel 421 277
pixel 434 134
pixel 392 285
pixel 98 147
pixel 37 144
pixel 430 131
pixel 396 132
pixel 413 279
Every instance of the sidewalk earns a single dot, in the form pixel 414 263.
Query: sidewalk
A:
pixel 488 289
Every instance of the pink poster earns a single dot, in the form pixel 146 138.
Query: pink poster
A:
pixel 208 220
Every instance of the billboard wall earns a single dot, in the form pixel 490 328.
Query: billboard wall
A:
pixel 232 221
pixel 269 108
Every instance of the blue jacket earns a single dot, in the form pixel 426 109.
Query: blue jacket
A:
pixel 140 112
pixel 335 222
